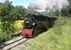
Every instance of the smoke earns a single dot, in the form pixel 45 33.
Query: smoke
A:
pixel 10 0
pixel 43 4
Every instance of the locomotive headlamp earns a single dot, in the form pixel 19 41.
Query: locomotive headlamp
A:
pixel 33 23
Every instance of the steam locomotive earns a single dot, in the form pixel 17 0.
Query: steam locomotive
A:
pixel 33 25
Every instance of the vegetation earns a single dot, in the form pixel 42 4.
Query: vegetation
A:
pixel 8 15
pixel 56 38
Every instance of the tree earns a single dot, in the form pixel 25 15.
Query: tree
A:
pixel 18 12
pixel 66 11
pixel 69 7
pixel 9 13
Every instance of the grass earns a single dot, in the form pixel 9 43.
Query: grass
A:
pixel 56 38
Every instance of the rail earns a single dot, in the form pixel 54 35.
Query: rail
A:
pixel 13 43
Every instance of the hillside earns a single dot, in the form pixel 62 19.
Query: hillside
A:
pixel 56 38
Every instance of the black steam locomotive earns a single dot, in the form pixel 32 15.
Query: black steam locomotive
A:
pixel 33 25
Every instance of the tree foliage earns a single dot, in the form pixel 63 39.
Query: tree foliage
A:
pixel 9 13
pixel 64 11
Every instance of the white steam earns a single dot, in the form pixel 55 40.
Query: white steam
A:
pixel 43 4
pixel 10 0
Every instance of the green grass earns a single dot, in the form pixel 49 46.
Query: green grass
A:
pixel 56 38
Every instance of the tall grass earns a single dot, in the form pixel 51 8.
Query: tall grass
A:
pixel 56 38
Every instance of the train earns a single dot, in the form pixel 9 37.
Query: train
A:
pixel 36 24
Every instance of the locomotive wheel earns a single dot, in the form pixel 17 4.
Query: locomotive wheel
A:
pixel 35 32
pixel 22 34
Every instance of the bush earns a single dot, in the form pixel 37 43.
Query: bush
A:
pixel 9 29
pixel 5 36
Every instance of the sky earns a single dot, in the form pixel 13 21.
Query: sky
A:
pixel 20 2
pixel 42 3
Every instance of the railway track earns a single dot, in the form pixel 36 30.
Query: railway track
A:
pixel 12 43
